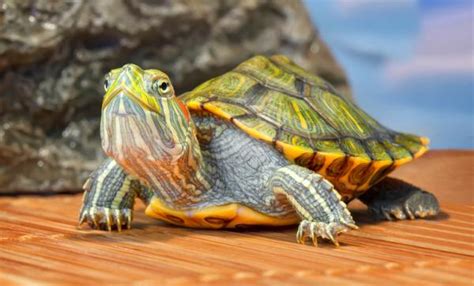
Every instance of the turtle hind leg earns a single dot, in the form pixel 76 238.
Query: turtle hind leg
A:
pixel 109 196
pixel 314 199
pixel 395 199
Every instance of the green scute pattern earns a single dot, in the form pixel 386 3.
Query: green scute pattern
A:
pixel 283 101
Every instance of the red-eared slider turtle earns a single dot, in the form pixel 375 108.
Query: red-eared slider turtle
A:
pixel 265 144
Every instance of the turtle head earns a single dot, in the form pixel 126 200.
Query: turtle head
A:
pixel 143 122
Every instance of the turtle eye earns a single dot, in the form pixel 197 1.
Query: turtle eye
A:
pixel 162 87
pixel 107 82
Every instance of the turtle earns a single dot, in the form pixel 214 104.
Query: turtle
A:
pixel 264 144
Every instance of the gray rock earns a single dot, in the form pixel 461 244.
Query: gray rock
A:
pixel 53 55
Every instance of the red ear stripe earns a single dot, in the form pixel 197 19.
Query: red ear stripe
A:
pixel 184 109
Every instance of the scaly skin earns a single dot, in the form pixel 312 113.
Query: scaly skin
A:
pixel 233 180
pixel 196 170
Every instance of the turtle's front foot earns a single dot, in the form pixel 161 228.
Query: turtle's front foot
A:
pixel 314 230
pixel 395 199
pixel 106 218
pixel 109 195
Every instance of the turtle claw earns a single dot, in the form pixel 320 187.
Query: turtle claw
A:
pixel 300 233
pixel 408 211
pixel 87 185
pixel 106 218
pixel 314 230
pixel 93 215
pixel 351 225
pixel 393 199
pixel 415 205
pixel 332 238
pixel 129 216
pixel 118 219
pixel 82 218
pixel 312 234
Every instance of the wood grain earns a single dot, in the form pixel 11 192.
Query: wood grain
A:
pixel 40 244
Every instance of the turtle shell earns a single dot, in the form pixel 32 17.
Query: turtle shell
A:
pixel 304 117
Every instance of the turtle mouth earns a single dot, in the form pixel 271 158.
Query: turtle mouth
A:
pixel 125 94
pixel 122 105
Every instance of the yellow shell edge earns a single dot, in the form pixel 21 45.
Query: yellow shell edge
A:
pixel 215 217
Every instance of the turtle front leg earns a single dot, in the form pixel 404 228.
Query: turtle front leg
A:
pixel 109 196
pixel 315 200
pixel 395 199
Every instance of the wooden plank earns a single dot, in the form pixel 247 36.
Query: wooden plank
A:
pixel 40 243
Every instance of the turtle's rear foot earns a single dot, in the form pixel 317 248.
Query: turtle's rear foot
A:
pixel 395 199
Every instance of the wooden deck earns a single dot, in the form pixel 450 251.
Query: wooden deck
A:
pixel 41 244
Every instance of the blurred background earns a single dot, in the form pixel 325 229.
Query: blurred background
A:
pixel 410 63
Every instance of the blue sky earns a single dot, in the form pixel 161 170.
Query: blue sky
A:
pixel 410 63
